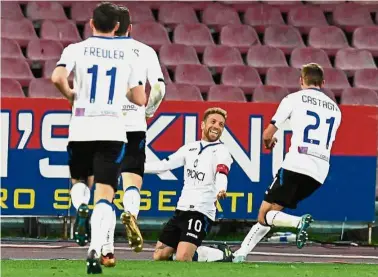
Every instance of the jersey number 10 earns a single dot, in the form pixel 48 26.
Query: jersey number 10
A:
pixel 112 73
pixel 330 121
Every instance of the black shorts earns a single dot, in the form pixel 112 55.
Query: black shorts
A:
pixel 135 153
pixel 289 188
pixel 188 226
pixel 99 158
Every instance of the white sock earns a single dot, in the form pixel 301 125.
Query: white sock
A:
pixel 280 219
pixel 80 194
pixel 108 247
pixel 254 236
pixel 209 254
pixel 101 221
pixel 131 200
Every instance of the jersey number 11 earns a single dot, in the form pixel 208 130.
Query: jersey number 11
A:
pixel 112 73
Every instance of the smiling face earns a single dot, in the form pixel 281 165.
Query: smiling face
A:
pixel 212 127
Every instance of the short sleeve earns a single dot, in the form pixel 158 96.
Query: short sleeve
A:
pixel 67 59
pixel 154 73
pixel 283 112
pixel 223 160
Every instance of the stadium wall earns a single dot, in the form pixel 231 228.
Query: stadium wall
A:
pixel 34 171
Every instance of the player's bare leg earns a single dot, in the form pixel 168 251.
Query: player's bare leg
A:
pixel 132 184
pixel 186 252
pixel 80 196
pixel 163 252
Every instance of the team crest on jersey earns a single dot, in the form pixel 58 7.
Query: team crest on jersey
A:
pixel 195 163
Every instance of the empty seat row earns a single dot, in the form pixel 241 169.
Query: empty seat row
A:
pixel 198 35
pixel 245 77
pixel 43 88
pixel 348 16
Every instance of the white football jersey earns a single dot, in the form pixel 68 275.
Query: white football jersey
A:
pixel 103 70
pixel 200 160
pixel 135 116
pixel 314 120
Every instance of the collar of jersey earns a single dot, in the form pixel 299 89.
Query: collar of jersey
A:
pixel 110 37
pixel 316 89
pixel 208 145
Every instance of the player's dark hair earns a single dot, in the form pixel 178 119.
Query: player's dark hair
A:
pixel 312 74
pixel 215 110
pixel 105 17
pixel 124 21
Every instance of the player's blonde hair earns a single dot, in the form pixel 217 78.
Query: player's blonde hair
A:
pixel 312 74
pixel 215 110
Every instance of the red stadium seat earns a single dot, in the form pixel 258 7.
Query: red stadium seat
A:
pixel 87 31
pixel 49 67
pixel 45 10
pixel 63 31
pixel 10 49
pixel 198 5
pixel 17 69
pixel 172 55
pixel 197 35
pixel 218 15
pixel 11 88
pixel 335 80
pixel 245 77
pixel 43 88
pixel 82 11
pixel 329 38
pixel 179 92
pixel 239 36
pixel 284 37
pixel 359 96
pixel 350 16
pixel 366 78
pixel 366 38
pixel 151 33
pixel 283 6
pixel 262 16
pixel 327 6
pixel 269 94
pixel 11 10
pixel 219 56
pixel 306 17
pixel 177 13
pixel 194 74
pixel 222 93
pixel 263 57
pixel 140 12
pixel 19 30
pixel 41 50
pixel 301 56
pixel 287 77
pixel 240 6
pixel 329 93
pixel 167 78
pixel 351 59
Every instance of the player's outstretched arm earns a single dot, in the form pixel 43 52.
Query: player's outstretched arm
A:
pixel 174 161
pixel 156 79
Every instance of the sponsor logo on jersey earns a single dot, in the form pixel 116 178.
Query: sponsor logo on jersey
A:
pixel 194 174
pixel 192 235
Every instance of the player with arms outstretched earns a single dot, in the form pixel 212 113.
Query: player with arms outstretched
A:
pixel 314 120
pixel 136 127
pixel 103 72
pixel 206 165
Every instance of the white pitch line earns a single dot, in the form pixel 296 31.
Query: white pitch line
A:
pixel 147 249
